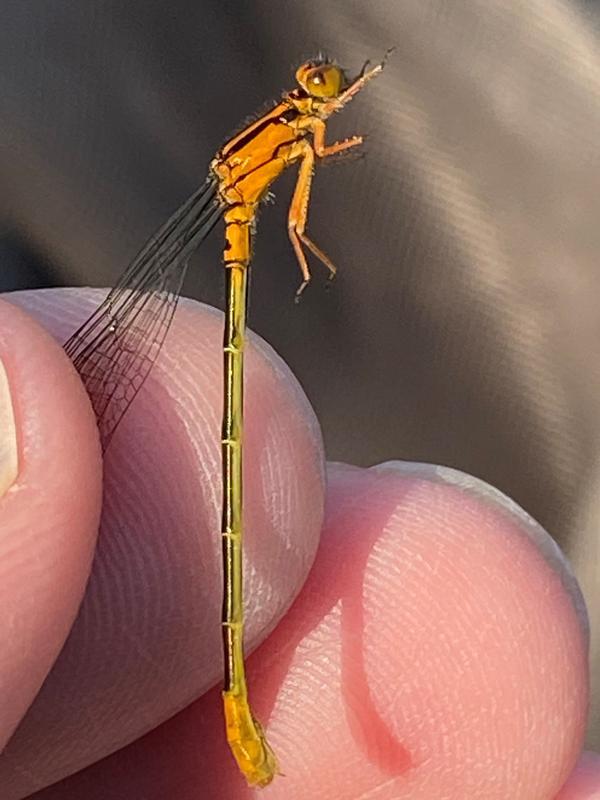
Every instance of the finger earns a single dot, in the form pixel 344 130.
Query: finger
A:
pixel 147 639
pixel 584 782
pixel 49 507
pixel 438 649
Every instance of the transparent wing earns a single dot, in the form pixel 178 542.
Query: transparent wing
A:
pixel 114 350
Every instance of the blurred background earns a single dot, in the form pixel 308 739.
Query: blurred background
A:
pixel 464 328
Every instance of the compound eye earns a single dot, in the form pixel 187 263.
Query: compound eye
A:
pixel 324 80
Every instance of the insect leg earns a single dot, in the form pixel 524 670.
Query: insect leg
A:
pixel 323 150
pixel 298 215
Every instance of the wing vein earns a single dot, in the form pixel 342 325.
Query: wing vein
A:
pixel 115 349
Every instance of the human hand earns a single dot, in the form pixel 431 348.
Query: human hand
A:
pixel 437 649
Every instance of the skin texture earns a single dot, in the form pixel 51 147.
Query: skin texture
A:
pixel 436 649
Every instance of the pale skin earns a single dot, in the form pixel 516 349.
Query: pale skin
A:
pixel 385 699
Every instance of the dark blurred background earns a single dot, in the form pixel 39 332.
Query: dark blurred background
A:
pixel 464 328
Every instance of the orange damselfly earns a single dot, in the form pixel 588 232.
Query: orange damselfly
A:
pixel 114 350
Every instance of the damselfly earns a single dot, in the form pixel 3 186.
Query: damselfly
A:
pixel 115 349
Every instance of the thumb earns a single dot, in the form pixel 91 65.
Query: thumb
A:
pixel 50 495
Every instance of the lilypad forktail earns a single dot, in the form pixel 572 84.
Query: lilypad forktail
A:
pixel 115 349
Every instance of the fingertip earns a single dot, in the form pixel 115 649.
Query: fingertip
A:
pixel 180 409
pixel 427 624
pixel 157 574
pixel 584 781
pixel 49 510
pixel 433 652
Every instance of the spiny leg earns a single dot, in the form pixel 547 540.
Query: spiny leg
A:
pixel 244 733
pixel 324 150
pixel 298 215
pixel 299 210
